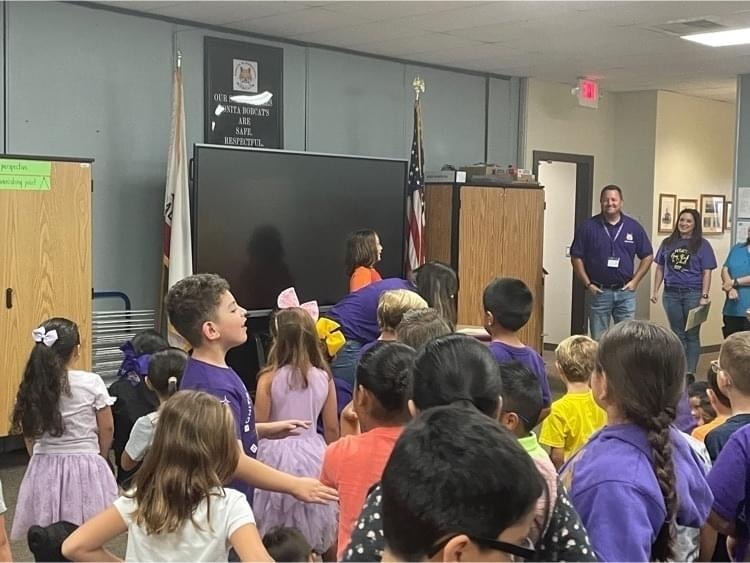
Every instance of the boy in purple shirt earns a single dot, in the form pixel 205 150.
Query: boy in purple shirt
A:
pixel 507 307
pixel 729 481
pixel 733 378
pixel 204 312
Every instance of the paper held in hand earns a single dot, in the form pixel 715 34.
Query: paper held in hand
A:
pixel 697 316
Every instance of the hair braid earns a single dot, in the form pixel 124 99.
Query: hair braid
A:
pixel 659 439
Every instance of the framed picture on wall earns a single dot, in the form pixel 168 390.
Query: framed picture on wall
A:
pixel 728 216
pixel 683 204
pixel 712 212
pixel 667 212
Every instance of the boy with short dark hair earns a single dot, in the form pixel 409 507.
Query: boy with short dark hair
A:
pixel 507 307
pixel 458 483
pixel 203 310
pixel 522 405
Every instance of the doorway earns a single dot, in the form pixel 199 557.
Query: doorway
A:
pixel 568 181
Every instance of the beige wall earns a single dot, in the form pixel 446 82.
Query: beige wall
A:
pixel 694 154
pixel 648 143
pixel 555 122
pixel 634 141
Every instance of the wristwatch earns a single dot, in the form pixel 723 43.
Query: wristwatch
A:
pixel 735 284
pixel 705 296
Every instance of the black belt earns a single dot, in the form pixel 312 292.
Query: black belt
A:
pixel 610 286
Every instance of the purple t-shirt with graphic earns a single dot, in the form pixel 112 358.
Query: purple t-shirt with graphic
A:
pixel 614 489
pixel 529 358
pixel 683 268
pixel 730 483
pixel 225 384
pixel 596 241
pixel 357 313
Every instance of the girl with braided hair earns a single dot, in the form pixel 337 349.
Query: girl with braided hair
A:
pixel 638 479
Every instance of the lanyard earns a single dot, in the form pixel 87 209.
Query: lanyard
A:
pixel 611 239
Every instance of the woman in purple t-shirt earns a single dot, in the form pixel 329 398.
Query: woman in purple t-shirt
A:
pixel 684 263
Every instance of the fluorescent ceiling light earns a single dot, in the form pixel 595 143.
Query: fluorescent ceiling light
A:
pixel 721 38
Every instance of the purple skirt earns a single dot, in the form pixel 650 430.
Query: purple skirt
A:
pixel 72 487
pixel 301 456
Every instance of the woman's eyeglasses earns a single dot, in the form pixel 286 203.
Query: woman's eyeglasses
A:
pixel 525 552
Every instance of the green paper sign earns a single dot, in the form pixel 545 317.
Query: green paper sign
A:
pixel 32 175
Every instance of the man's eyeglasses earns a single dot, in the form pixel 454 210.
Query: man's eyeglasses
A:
pixel 518 553
pixel 715 367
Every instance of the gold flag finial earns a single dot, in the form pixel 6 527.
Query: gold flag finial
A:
pixel 418 85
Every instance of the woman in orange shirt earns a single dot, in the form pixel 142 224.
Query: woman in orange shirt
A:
pixel 363 251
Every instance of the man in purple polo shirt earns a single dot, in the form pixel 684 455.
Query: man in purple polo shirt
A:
pixel 603 257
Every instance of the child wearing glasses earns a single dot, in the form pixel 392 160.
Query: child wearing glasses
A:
pixel 458 487
pixel 733 377
pixel 638 476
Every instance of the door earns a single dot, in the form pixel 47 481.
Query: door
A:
pixel 564 216
pixel 45 260
pixel 559 181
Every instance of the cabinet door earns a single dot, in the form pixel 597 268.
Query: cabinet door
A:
pixel 438 221
pixel 522 244
pixel 481 256
pixel 45 264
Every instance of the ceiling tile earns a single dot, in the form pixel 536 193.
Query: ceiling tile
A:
pixel 295 23
pixel 225 13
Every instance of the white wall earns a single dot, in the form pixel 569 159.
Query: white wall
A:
pixel 694 154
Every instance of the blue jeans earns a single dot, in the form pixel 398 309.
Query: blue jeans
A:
pixel 677 303
pixel 617 304
pixel 344 364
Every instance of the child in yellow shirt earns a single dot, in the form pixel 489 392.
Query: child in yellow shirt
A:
pixel 575 416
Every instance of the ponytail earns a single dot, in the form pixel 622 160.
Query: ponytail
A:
pixel 37 408
pixel 165 371
pixel 658 429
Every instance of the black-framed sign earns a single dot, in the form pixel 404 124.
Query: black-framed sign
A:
pixel 243 96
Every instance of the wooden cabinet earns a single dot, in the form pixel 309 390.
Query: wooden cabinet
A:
pixel 486 232
pixel 45 259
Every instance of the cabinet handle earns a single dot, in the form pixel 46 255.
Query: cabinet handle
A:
pixel 9 298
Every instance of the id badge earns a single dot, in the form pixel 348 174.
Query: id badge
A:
pixel 613 262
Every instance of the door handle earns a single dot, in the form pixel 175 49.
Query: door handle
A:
pixel 9 298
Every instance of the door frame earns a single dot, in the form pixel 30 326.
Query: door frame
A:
pixel 584 199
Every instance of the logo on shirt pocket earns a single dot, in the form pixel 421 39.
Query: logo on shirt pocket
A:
pixel 629 238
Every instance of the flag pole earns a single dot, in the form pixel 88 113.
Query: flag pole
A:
pixel 161 319
pixel 415 216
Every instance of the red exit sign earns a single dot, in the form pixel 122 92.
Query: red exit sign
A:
pixel 588 93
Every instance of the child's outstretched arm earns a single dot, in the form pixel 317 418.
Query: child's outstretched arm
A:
pixel 330 418
pixel 247 543
pixel 264 477
pixel 87 542
pixel 106 427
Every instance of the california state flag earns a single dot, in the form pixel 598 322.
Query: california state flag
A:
pixel 178 251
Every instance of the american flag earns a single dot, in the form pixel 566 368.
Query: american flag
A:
pixel 415 216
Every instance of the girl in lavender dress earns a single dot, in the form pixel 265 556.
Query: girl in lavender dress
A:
pixel 66 421
pixel 296 384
